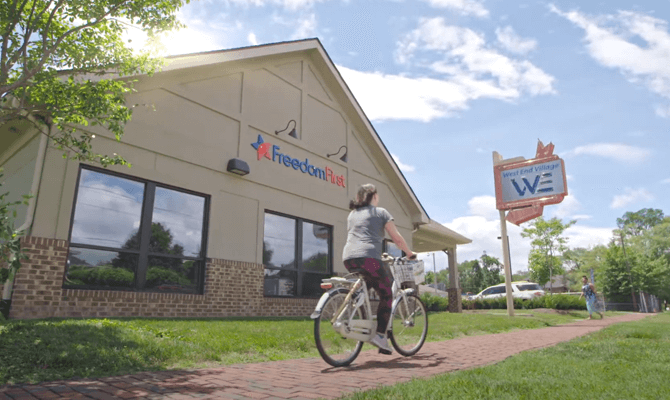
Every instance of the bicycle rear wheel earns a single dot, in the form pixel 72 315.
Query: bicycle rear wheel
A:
pixel 409 325
pixel 335 349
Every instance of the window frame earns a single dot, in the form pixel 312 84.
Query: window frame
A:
pixel 143 254
pixel 385 244
pixel 298 254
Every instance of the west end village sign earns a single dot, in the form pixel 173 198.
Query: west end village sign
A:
pixel 526 186
pixel 271 152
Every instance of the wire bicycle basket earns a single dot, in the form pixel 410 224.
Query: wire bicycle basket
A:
pixel 408 271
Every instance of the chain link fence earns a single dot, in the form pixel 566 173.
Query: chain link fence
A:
pixel 645 303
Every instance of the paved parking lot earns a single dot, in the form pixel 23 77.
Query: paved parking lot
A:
pixel 312 378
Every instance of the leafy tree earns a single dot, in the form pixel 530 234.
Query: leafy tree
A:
pixel 316 262
pixel 616 279
pixel 267 253
pixel 521 276
pixel 548 244
pixel 631 227
pixel 63 63
pixel 10 246
pixel 492 269
pixel 580 261
pixel 442 277
pixel 635 223
pixel 160 242
pixel 652 270
pixel 60 61
pixel 470 276
pixel 476 275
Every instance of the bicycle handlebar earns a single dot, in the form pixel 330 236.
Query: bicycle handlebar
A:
pixel 386 257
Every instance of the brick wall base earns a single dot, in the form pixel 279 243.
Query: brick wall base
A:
pixel 455 304
pixel 232 288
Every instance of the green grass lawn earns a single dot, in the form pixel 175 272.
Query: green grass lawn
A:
pixel 42 350
pixel 623 361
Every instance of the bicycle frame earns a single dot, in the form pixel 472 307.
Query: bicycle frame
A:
pixel 361 329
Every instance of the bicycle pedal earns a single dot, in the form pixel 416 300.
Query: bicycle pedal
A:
pixel 387 352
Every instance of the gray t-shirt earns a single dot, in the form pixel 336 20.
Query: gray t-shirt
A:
pixel 365 233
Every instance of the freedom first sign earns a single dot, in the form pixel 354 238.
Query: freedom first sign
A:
pixel 536 182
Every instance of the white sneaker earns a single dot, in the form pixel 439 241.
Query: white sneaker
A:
pixel 381 342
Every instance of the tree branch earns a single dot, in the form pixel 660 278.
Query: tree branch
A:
pixel 98 19
pixel 5 66
pixel 26 35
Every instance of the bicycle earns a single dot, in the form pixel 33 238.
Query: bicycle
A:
pixel 343 318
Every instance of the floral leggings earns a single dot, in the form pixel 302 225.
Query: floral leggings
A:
pixel 375 276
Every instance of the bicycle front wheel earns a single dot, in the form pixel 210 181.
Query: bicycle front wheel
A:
pixel 334 348
pixel 409 325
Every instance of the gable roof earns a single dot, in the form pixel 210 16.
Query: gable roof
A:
pixel 306 45
pixel 423 225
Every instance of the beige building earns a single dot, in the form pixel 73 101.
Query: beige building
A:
pixel 243 165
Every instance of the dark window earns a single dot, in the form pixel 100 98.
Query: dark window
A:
pixel 529 286
pixel 129 234
pixel 495 290
pixel 296 254
pixel 391 249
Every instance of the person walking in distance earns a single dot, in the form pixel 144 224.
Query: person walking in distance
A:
pixel 362 253
pixel 589 293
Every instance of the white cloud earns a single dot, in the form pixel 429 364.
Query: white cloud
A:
pixel 292 5
pixel 403 167
pixel 253 40
pixel 395 97
pixel 472 71
pixel 483 206
pixel 631 196
pixel 566 208
pixel 587 236
pixel 615 151
pixel 609 40
pixel 465 7
pixel 483 227
pixel 513 42
pixel 484 233
pixel 306 27
pixel 666 181
pixel 581 216
pixel 662 111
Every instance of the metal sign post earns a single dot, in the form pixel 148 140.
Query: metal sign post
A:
pixel 524 187
pixel 508 272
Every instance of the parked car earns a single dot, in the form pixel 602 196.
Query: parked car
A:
pixel 467 295
pixel 521 290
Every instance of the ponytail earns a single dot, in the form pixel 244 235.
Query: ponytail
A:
pixel 363 197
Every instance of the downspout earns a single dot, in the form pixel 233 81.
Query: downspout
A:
pixel 30 215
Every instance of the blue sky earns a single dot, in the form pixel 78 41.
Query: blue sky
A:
pixel 447 82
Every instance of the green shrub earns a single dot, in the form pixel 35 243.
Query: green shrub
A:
pixel 105 275
pixel 435 303
pixel 157 276
pixel 557 302
pixel 4 274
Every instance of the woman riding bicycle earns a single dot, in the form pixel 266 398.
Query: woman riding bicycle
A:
pixel 363 252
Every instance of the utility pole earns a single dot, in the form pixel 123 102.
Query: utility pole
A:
pixel 630 277
pixel 435 272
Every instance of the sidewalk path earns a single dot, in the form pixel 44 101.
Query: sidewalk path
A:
pixel 312 378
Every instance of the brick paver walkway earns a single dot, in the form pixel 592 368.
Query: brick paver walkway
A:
pixel 312 378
